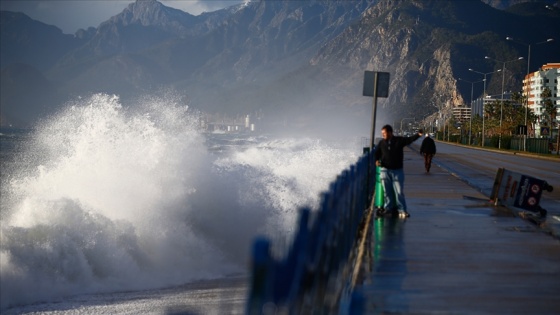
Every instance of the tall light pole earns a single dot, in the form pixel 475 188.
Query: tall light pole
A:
pixel 470 118
pixel 484 97
pixel 443 125
pixel 449 128
pixel 527 77
pixel 502 101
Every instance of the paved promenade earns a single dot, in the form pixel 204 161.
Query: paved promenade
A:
pixel 458 254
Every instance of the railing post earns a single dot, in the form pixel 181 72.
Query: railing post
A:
pixel 261 284
pixel 288 281
pixel 357 304
pixel 367 152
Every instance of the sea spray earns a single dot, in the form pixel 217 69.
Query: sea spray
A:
pixel 108 197
pixel 288 174
pixel 102 203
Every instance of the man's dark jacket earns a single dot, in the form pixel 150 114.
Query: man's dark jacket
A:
pixel 428 146
pixel 390 152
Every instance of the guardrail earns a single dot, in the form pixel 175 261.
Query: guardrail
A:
pixel 533 145
pixel 319 270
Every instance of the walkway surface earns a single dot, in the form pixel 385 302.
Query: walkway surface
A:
pixel 458 254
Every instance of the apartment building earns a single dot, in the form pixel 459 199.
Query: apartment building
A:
pixel 480 103
pixel 533 85
pixel 461 113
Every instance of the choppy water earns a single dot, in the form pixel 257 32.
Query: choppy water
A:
pixel 104 198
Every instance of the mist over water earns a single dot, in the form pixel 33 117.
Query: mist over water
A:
pixel 105 198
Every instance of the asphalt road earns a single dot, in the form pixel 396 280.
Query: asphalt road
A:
pixel 478 167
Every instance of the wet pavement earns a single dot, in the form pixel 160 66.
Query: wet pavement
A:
pixel 459 254
pixel 478 167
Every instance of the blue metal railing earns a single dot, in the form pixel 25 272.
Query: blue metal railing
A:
pixel 314 276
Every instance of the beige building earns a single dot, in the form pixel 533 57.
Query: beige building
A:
pixel 462 113
pixel 533 85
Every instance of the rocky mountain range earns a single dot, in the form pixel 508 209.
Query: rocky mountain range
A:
pixel 296 61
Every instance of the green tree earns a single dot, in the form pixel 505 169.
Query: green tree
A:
pixel 550 114
pixel 477 127
pixel 549 108
pixel 531 120
pixel 492 118
pixel 514 115
pixel 518 98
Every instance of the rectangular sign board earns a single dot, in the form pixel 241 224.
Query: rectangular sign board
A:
pixel 517 190
pixel 382 88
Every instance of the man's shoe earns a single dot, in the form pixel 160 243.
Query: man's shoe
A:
pixel 404 214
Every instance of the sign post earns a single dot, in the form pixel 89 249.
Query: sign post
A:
pixel 376 84
pixel 545 131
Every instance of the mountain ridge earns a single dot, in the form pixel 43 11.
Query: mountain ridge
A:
pixel 296 57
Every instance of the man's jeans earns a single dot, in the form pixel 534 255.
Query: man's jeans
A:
pixel 393 184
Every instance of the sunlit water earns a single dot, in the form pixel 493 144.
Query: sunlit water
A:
pixel 103 199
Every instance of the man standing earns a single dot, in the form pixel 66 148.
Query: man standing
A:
pixel 428 149
pixel 389 156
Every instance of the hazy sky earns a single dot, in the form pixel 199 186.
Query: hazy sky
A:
pixel 71 15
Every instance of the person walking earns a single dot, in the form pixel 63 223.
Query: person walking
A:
pixel 428 150
pixel 389 156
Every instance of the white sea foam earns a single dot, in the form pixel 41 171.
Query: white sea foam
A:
pixel 288 174
pixel 111 198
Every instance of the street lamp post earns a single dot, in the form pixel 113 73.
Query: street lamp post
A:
pixel 484 97
pixel 449 128
pixel 443 126
pixel 527 77
pixel 502 101
pixel 470 118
